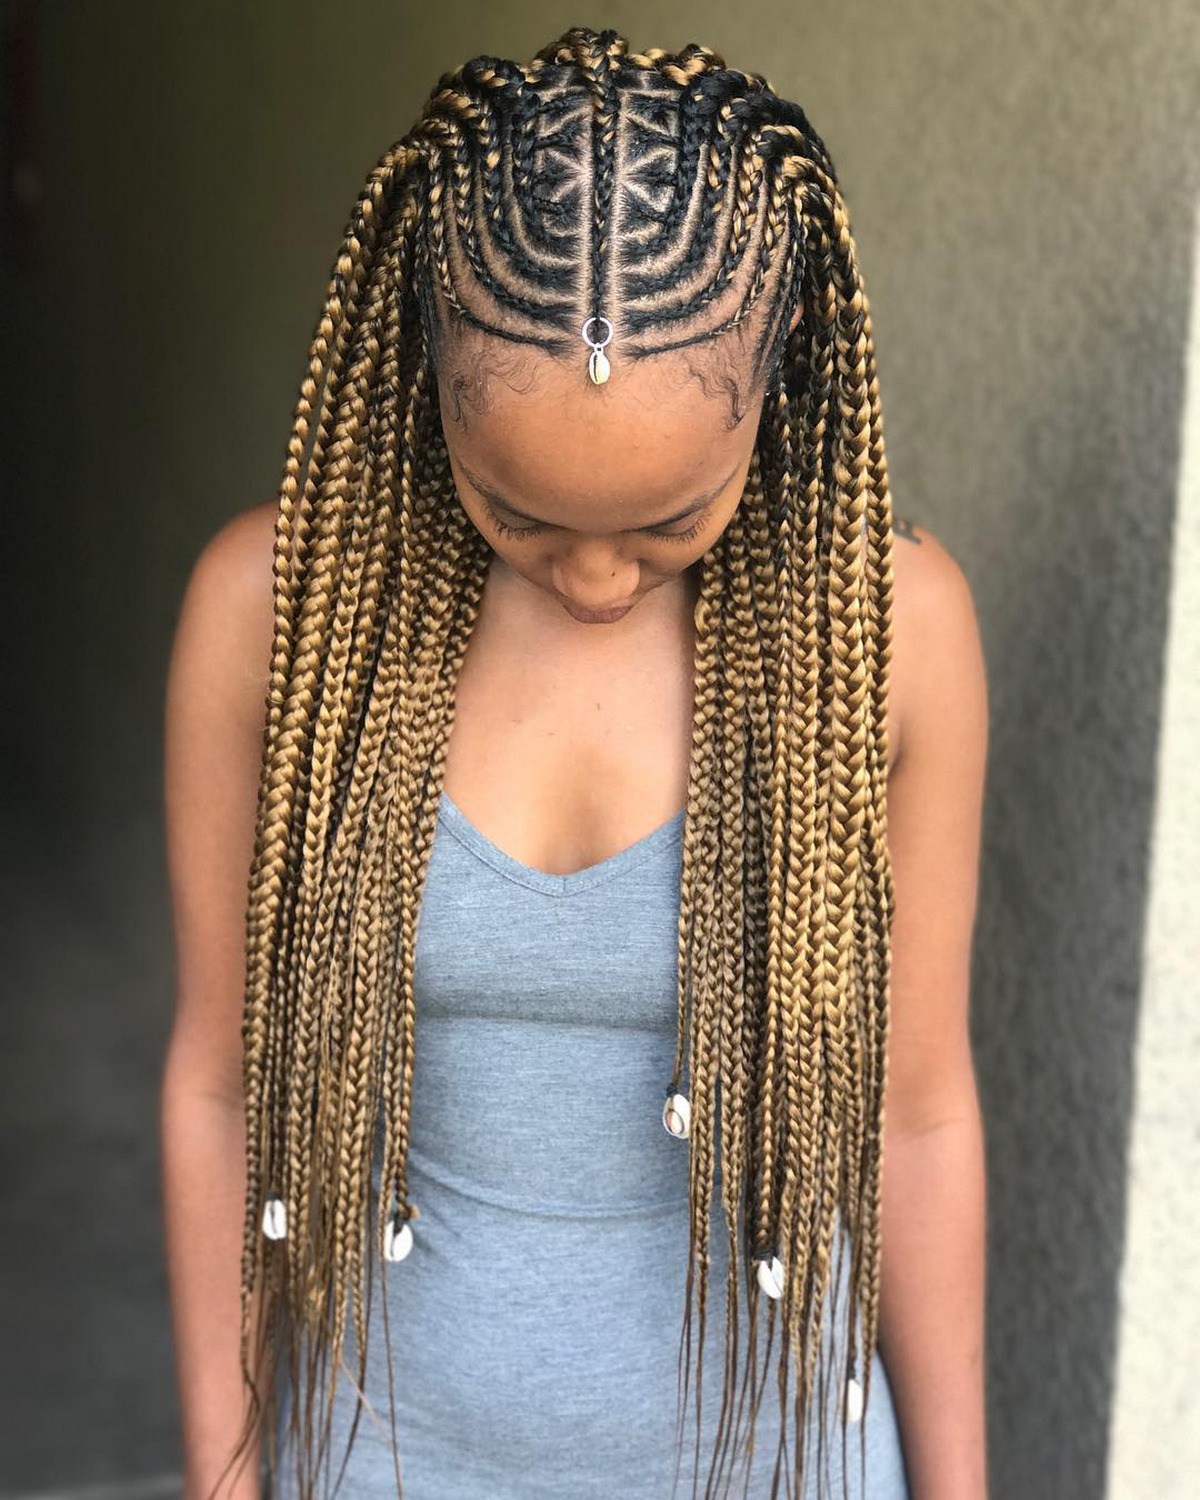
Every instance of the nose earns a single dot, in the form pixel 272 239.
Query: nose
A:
pixel 595 578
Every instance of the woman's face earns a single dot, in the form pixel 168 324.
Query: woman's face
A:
pixel 596 495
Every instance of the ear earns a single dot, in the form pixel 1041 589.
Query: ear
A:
pixel 796 316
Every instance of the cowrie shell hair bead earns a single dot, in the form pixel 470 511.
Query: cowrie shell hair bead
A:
pixel 854 1399
pixel 397 1239
pixel 275 1219
pixel 598 367
pixel 677 1116
pixel 770 1276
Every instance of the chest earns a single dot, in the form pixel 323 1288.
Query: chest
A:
pixel 564 753
pixel 564 757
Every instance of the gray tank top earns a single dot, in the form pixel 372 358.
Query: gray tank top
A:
pixel 535 1324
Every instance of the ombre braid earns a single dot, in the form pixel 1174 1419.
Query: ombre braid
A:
pixel 684 200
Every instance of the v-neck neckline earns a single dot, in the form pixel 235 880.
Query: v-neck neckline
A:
pixel 453 818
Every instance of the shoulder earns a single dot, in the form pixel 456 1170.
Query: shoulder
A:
pixel 226 616
pixel 237 558
pixel 937 675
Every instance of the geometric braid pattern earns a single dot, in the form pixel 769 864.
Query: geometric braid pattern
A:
pixel 675 196
pixel 646 196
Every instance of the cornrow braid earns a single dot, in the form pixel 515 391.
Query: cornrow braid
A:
pixel 683 200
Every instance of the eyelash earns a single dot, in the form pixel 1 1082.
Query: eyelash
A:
pixel 663 536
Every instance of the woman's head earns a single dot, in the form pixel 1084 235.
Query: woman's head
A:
pixel 595 189
pixel 448 388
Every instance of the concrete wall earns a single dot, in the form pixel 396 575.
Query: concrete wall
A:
pixel 1023 182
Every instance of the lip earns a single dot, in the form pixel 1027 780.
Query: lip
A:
pixel 597 617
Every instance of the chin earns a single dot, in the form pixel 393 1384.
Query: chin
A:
pixel 597 617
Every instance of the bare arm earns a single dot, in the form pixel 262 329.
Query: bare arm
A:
pixel 934 1198
pixel 215 703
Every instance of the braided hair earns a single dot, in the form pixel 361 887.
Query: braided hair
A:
pixel 686 201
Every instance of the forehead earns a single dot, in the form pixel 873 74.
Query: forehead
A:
pixel 536 430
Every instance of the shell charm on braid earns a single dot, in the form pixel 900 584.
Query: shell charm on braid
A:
pixel 598 367
pixel 397 1233
pixel 677 1116
pixel 274 1221
pixel 770 1275
pixel 397 1238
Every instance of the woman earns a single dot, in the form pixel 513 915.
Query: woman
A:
pixel 615 776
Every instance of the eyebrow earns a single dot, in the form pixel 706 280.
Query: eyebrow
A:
pixel 698 504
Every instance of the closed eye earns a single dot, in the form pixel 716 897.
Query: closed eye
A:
pixel 505 528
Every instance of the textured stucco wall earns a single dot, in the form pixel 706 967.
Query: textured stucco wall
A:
pixel 1021 180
